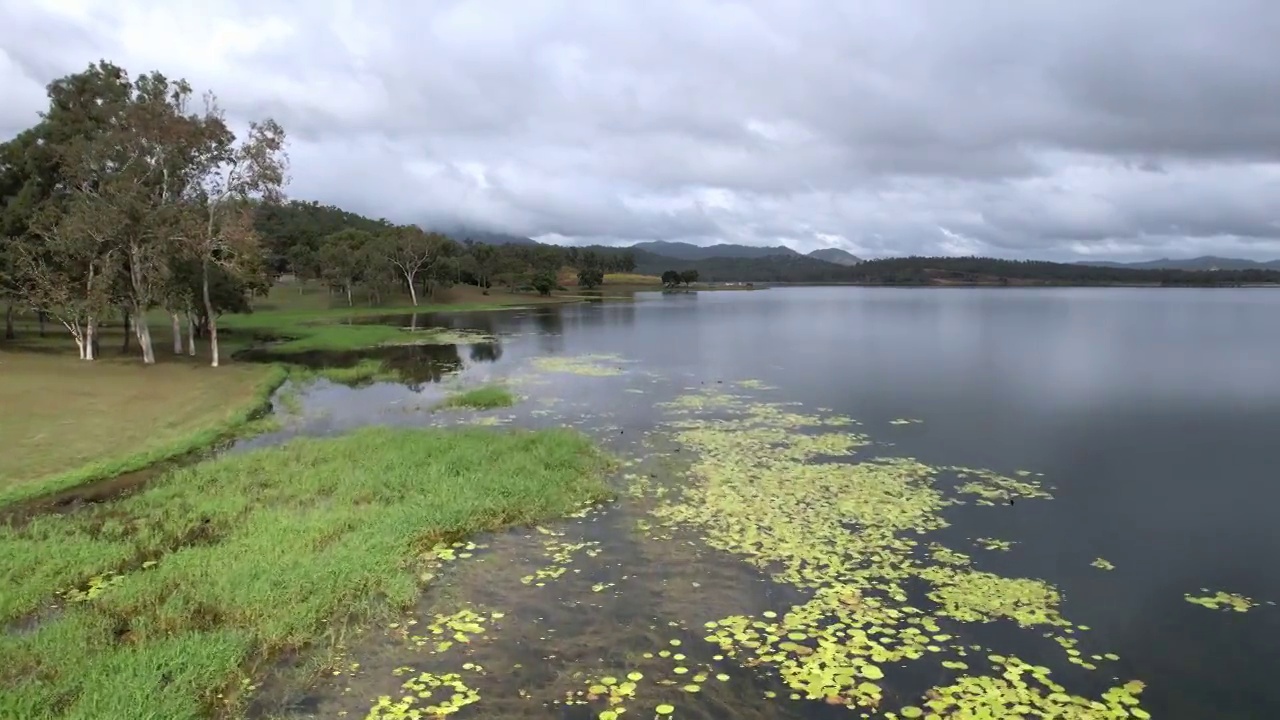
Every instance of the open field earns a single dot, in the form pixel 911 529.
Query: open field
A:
pixel 66 421
pixel 169 600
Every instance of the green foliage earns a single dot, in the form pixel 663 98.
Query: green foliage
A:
pixel 485 397
pixel 544 281
pixel 688 277
pixel 237 560
pixel 590 277
pixel 670 278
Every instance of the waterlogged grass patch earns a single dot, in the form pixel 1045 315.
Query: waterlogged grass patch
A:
pixel 587 365
pixel 993 544
pixel 485 397
pixel 1222 601
pixel 368 370
pixel 854 533
pixel 221 566
pixel 905 421
pixel 1102 564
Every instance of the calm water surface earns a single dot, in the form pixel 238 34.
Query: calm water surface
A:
pixel 1152 413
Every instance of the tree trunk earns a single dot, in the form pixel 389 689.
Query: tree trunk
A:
pixel 208 309
pixel 90 340
pixel 40 319
pixel 348 294
pixel 8 323
pixel 124 348
pixel 413 322
pixel 143 329
pixel 191 334
pixel 413 293
pixel 177 333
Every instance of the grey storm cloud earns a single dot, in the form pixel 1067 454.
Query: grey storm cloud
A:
pixel 1120 129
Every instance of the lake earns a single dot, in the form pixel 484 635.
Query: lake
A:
pixel 793 577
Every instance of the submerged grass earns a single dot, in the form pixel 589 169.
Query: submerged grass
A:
pixel 82 422
pixel 485 397
pixel 171 596
pixel 368 370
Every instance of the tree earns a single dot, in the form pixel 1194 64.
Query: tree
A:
pixel 229 177
pixel 485 258
pixel 688 277
pixel 544 281
pixel 590 277
pixel 413 251
pixel 131 178
pixel 670 278
pixel 302 261
pixel 342 258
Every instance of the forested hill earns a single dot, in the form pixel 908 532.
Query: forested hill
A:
pixel 287 227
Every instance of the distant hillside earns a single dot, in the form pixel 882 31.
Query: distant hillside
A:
pixel 836 255
pixel 772 268
pixel 994 271
pixel 687 251
pixel 1205 262
pixel 462 234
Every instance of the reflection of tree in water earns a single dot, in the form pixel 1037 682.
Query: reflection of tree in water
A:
pixel 416 364
pixel 549 324
pixel 419 364
pixel 486 352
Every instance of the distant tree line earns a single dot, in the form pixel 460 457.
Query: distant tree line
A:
pixel 993 271
pixel 357 255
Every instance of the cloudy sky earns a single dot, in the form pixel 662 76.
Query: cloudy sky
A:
pixel 1117 129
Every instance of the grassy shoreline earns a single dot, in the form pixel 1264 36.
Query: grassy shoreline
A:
pixel 171 598
pixel 207 430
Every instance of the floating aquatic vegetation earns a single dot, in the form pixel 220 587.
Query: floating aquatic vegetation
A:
pixel 905 421
pixel 443 336
pixel 1222 601
pixel 588 365
pixel 1102 564
pixel 445 630
pixel 851 533
pixel 752 384
pixel 426 687
pixel 560 554
pixel 993 544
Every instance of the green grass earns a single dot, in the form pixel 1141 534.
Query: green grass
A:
pixel 223 566
pixel 81 422
pixel 366 371
pixel 485 397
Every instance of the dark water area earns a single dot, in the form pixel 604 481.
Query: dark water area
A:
pixel 1152 414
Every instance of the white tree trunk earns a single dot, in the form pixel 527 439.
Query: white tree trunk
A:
pixel 177 333
pixel 413 292
pixel 143 330
pixel 348 286
pixel 191 335
pixel 90 329
pixel 213 318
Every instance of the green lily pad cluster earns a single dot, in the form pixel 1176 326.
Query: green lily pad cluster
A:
pixel 993 544
pixel 1222 601
pixel 426 687
pixel 752 384
pixel 587 365
pixel 561 554
pixel 446 630
pixel 905 421
pixel 1102 564
pixel 786 491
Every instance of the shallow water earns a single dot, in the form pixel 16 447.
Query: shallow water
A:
pixel 1148 415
